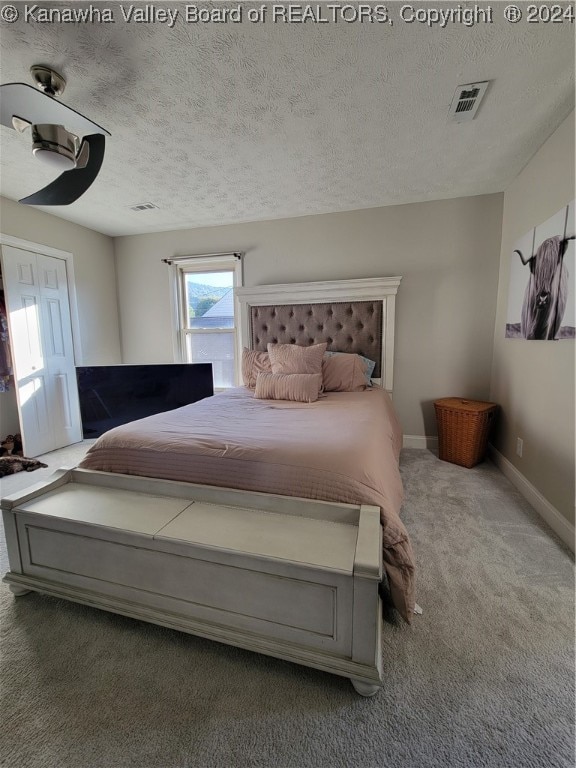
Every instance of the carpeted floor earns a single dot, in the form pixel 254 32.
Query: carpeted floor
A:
pixel 484 678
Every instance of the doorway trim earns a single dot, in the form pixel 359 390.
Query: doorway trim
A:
pixel 29 245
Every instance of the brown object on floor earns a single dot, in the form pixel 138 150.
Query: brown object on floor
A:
pixel 11 446
pixel 463 429
pixel 18 445
pixel 9 465
pixel 7 446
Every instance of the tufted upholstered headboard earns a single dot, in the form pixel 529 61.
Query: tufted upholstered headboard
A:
pixel 350 315
pixel 352 326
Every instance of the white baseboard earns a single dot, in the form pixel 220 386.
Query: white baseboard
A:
pixel 419 441
pixel 547 512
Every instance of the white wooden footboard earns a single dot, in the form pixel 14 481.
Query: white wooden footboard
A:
pixel 288 577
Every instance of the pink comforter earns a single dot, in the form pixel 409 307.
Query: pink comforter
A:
pixel 342 448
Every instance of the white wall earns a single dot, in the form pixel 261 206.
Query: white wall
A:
pixel 534 380
pixel 446 251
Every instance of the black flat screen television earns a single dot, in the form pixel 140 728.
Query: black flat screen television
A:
pixel 111 395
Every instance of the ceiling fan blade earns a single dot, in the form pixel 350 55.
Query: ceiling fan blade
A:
pixel 30 104
pixel 71 185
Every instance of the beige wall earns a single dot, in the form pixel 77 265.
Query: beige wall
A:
pixel 446 251
pixel 94 273
pixel 534 380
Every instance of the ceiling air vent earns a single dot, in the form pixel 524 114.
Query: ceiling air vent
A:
pixel 144 207
pixel 466 101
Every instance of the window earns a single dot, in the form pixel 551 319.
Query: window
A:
pixel 207 314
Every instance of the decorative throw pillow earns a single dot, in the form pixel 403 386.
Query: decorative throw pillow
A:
pixel 253 362
pixel 300 387
pixel 344 373
pixel 370 365
pixel 291 358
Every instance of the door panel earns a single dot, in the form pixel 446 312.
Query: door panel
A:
pixel 33 397
pixel 36 291
pixel 50 278
pixel 55 337
pixel 59 350
pixel 27 334
pixel 26 273
pixel 62 400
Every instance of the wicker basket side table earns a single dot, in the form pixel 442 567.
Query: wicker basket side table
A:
pixel 463 429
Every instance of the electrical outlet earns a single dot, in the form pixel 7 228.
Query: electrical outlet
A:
pixel 519 446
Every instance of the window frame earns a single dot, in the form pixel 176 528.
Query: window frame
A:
pixel 179 268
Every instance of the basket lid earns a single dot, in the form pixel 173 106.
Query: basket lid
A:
pixel 461 404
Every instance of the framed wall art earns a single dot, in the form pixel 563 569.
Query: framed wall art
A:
pixel 541 296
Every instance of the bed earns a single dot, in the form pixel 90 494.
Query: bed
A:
pixel 341 450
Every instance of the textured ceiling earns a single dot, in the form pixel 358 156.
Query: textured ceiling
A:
pixel 221 123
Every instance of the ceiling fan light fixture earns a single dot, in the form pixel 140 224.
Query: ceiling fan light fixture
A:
pixel 54 146
pixel 77 151
pixel 52 158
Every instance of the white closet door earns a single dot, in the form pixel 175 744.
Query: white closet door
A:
pixel 38 308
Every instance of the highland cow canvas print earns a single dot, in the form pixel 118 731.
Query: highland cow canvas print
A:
pixel 541 296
